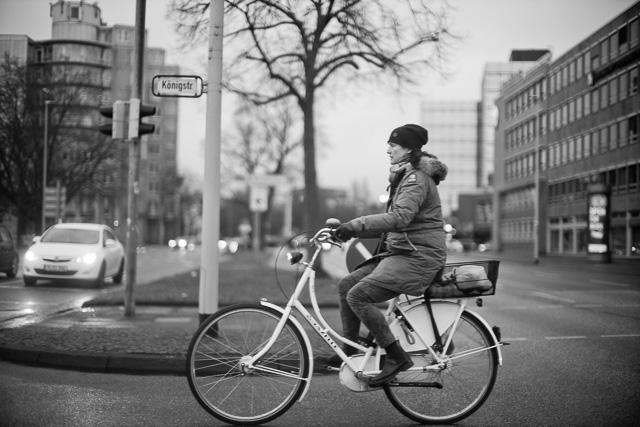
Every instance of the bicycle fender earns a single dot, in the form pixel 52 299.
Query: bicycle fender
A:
pixel 491 334
pixel 445 313
pixel 307 343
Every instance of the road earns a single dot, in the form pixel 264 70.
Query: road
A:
pixel 574 338
pixel 18 302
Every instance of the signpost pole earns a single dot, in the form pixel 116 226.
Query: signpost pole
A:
pixel 209 265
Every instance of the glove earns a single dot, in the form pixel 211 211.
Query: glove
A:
pixel 345 232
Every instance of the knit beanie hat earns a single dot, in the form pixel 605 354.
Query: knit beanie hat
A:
pixel 410 136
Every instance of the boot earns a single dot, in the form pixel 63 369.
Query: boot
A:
pixel 335 361
pixel 397 360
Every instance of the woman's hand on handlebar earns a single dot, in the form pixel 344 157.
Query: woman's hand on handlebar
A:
pixel 340 232
pixel 344 232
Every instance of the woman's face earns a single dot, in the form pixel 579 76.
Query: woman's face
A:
pixel 396 153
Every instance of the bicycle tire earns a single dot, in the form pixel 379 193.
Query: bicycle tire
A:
pixel 466 382
pixel 238 396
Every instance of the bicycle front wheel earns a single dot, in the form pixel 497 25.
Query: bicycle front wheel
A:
pixel 217 371
pixel 456 391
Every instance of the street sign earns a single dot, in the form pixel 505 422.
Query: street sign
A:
pixel 259 198
pixel 272 180
pixel 55 201
pixel 177 86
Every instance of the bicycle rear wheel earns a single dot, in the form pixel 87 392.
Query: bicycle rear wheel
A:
pixel 225 387
pixel 465 382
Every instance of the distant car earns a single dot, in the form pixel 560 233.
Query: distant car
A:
pixel 454 245
pixel 183 243
pixel 9 256
pixel 75 252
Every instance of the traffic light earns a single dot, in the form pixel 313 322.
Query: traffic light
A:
pixel 136 112
pixel 115 129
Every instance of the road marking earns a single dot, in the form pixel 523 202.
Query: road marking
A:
pixel 606 282
pixel 566 338
pixel 546 275
pixel 589 305
pixel 173 319
pixel 553 297
pixel 620 336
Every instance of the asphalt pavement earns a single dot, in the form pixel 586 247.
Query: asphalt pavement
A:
pixel 99 337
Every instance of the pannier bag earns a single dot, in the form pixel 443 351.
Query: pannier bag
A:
pixel 465 280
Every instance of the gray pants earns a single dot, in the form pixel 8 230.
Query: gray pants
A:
pixel 357 304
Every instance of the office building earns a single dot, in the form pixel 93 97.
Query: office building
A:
pixel 90 63
pixel 453 138
pixel 568 129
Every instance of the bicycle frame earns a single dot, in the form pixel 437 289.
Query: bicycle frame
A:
pixel 449 315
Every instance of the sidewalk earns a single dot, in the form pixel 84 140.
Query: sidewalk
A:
pixel 100 337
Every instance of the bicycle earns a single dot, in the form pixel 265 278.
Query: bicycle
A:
pixel 248 364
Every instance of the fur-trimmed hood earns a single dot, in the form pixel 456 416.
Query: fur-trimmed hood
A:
pixel 433 167
pixel 429 164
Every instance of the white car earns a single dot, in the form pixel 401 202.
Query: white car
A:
pixel 75 251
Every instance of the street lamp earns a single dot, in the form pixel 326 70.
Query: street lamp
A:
pixel 44 162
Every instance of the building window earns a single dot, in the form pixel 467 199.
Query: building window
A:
pixel 613 91
pixel 595 142
pixel 624 132
pixel 613 136
pixel 633 129
pixel 604 95
pixel 634 32
pixel 595 57
pixel 579 108
pixel 75 12
pixel 632 177
pixel 579 148
pixel 604 51
pixel 595 100
pixel 587 104
pixel 633 80
pixel 572 71
pixel 572 110
pixel 623 38
pixel 604 139
pixel 587 145
pixel 623 85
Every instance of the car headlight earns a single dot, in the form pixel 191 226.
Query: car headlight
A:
pixel 89 258
pixel 30 256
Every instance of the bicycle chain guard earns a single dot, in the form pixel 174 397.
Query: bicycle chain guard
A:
pixel 349 379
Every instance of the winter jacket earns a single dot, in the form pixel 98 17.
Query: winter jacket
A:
pixel 413 209
pixel 414 248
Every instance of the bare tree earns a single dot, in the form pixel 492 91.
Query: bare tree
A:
pixel 76 156
pixel 293 48
pixel 266 142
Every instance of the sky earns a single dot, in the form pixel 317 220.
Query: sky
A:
pixel 355 124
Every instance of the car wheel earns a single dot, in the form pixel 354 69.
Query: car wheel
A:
pixel 13 271
pixel 117 279
pixel 29 281
pixel 99 282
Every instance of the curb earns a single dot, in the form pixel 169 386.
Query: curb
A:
pixel 123 363
pixel 112 363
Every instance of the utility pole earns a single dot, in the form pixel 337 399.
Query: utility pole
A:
pixel 209 265
pixel 133 191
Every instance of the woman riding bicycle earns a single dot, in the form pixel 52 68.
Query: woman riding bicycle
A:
pixel 412 249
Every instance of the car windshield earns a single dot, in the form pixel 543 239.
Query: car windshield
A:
pixel 71 235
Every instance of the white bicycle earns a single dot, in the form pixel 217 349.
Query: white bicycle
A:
pixel 249 363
